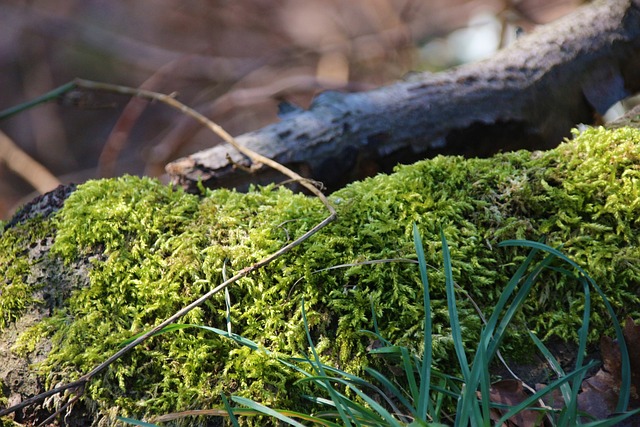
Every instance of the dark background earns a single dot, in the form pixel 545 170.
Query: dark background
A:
pixel 233 60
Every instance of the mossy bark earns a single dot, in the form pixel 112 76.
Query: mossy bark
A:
pixel 123 254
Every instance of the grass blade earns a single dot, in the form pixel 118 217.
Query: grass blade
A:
pixel 467 404
pixel 425 371
pixel 332 393
pixel 266 410
pixel 456 331
pixel 613 421
pixel 572 404
pixel 397 394
pixel 555 366
pixel 408 372
pixel 515 305
pixel 625 388
pixel 229 409
pixel 534 398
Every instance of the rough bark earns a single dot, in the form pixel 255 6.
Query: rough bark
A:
pixel 526 96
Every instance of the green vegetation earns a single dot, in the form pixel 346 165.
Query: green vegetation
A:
pixel 154 249
pixel 18 257
pixel 422 396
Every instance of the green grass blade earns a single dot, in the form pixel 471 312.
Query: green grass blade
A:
pixel 572 404
pixel 425 371
pixel 374 318
pixel 504 299
pixel 485 381
pixel 468 409
pixel 613 421
pixel 583 332
pixel 456 331
pixel 439 400
pixel 357 411
pixel 516 304
pixel 386 416
pixel 490 339
pixel 565 389
pixel 393 390
pixel 359 382
pixel 625 387
pixel 178 326
pixel 229 409
pixel 266 410
pixel 534 398
pixel 408 372
pixel 237 338
pixel 332 393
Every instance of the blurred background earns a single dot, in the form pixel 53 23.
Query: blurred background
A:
pixel 234 61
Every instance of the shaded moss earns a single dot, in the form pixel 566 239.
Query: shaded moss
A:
pixel 156 249
pixel 18 288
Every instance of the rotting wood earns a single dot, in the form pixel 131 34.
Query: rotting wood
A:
pixel 528 95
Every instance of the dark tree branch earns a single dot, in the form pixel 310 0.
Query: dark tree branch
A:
pixel 526 96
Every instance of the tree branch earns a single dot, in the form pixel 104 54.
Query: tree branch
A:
pixel 526 96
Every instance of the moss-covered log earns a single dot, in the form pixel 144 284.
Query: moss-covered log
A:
pixel 122 254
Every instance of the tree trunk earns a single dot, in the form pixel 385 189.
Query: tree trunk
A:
pixel 526 96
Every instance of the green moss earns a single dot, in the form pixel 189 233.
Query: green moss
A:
pixel 18 288
pixel 155 249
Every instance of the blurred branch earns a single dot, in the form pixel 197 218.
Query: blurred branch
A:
pixel 126 49
pixel 185 128
pixel 25 166
pixel 47 97
pixel 528 95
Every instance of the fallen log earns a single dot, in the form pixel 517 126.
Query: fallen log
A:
pixel 528 95
pixel 82 270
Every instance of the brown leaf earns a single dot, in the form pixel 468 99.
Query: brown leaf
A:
pixel 599 395
pixel 511 393
pixel 600 392
pixel 553 399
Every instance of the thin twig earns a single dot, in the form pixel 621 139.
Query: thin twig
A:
pixel 217 129
pixel 47 97
pixel 78 385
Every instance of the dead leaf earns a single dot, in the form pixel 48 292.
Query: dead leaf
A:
pixel 511 393
pixel 600 393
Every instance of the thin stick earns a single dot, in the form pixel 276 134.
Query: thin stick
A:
pixel 78 385
pixel 49 96
pixel 217 129
pixel 26 166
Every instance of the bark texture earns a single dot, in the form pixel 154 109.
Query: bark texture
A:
pixel 526 96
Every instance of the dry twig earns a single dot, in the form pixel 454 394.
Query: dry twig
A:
pixel 20 162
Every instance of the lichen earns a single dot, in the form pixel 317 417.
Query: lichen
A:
pixel 155 249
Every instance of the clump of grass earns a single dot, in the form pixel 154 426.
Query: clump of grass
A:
pixel 424 394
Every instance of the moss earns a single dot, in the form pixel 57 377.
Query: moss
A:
pixel 18 288
pixel 155 249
